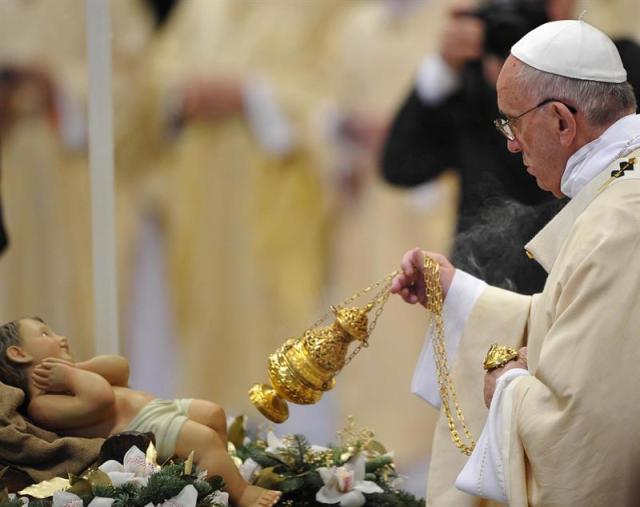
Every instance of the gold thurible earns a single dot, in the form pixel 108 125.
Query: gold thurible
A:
pixel 304 368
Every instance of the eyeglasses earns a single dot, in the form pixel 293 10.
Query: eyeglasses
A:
pixel 504 125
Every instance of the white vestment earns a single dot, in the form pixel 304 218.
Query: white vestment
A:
pixel 566 435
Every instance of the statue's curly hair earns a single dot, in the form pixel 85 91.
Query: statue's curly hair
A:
pixel 13 374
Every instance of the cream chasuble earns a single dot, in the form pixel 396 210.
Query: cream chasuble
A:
pixel 571 438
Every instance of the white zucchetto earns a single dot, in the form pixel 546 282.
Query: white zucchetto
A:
pixel 571 48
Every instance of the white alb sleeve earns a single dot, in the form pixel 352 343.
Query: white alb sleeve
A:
pixel 462 296
pixel 267 119
pixel 435 80
pixel 486 472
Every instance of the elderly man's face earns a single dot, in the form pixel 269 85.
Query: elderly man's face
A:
pixel 542 154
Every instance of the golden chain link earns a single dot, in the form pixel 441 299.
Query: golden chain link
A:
pixel 434 304
pixel 379 301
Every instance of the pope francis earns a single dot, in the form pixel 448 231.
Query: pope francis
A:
pixel 563 401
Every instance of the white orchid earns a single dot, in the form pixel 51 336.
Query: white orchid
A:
pixel 249 470
pixel 188 497
pixel 273 443
pixel 134 468
pixel 345 485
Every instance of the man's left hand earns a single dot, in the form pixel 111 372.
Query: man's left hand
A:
pixel 491 377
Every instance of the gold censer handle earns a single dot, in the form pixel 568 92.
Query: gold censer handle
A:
pixel 447 389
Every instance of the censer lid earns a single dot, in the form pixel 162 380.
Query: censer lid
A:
pixel 354 320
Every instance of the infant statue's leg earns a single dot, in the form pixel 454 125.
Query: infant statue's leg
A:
pixel 210 414
pixel 211 454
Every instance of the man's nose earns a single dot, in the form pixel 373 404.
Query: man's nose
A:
pixel 514 146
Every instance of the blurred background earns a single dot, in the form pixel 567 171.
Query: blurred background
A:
pixel 249 140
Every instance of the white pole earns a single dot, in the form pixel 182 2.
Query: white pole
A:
pixel 102 179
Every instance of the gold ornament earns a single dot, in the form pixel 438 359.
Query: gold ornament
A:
pixel 499 355
pixel 304 368
pixel 46 489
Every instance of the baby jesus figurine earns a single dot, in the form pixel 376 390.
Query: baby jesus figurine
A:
pixel 91 399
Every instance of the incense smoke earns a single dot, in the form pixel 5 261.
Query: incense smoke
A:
pixel 493 248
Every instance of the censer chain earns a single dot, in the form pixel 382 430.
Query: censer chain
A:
pixel 379 301
pixel 445 382
pixel 381 297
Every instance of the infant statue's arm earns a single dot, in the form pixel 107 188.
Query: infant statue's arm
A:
pixel 66 397
pixel 115 369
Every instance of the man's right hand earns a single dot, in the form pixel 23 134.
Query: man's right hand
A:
pixel 410 282
pixel 462 38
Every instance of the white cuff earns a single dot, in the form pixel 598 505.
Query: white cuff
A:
pixel 486 472
pixel 436 80
pixel 267 119
pixel 462 296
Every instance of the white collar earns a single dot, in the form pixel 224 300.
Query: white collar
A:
pixel 619 139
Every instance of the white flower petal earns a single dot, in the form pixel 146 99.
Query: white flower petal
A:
pixel 249 469
pixel 188 497
pixel 120 478
pixel 318 449
pixel 368 487
pixel 328 494
pixel 101 502
pixel 327 474
pixel 135 461
pixel 352 499
pixel 358 464
pixel 111 466
pixel 274 443
pixel 66 499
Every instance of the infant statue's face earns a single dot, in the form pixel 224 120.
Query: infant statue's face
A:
pixel 40 341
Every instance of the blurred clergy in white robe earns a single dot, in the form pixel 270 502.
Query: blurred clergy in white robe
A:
pixel 247 212
pixel 46 270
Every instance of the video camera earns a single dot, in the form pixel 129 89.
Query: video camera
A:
pixel 507 21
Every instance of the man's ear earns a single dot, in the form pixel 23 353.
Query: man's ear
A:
pixel 18 355
pixel 566 121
